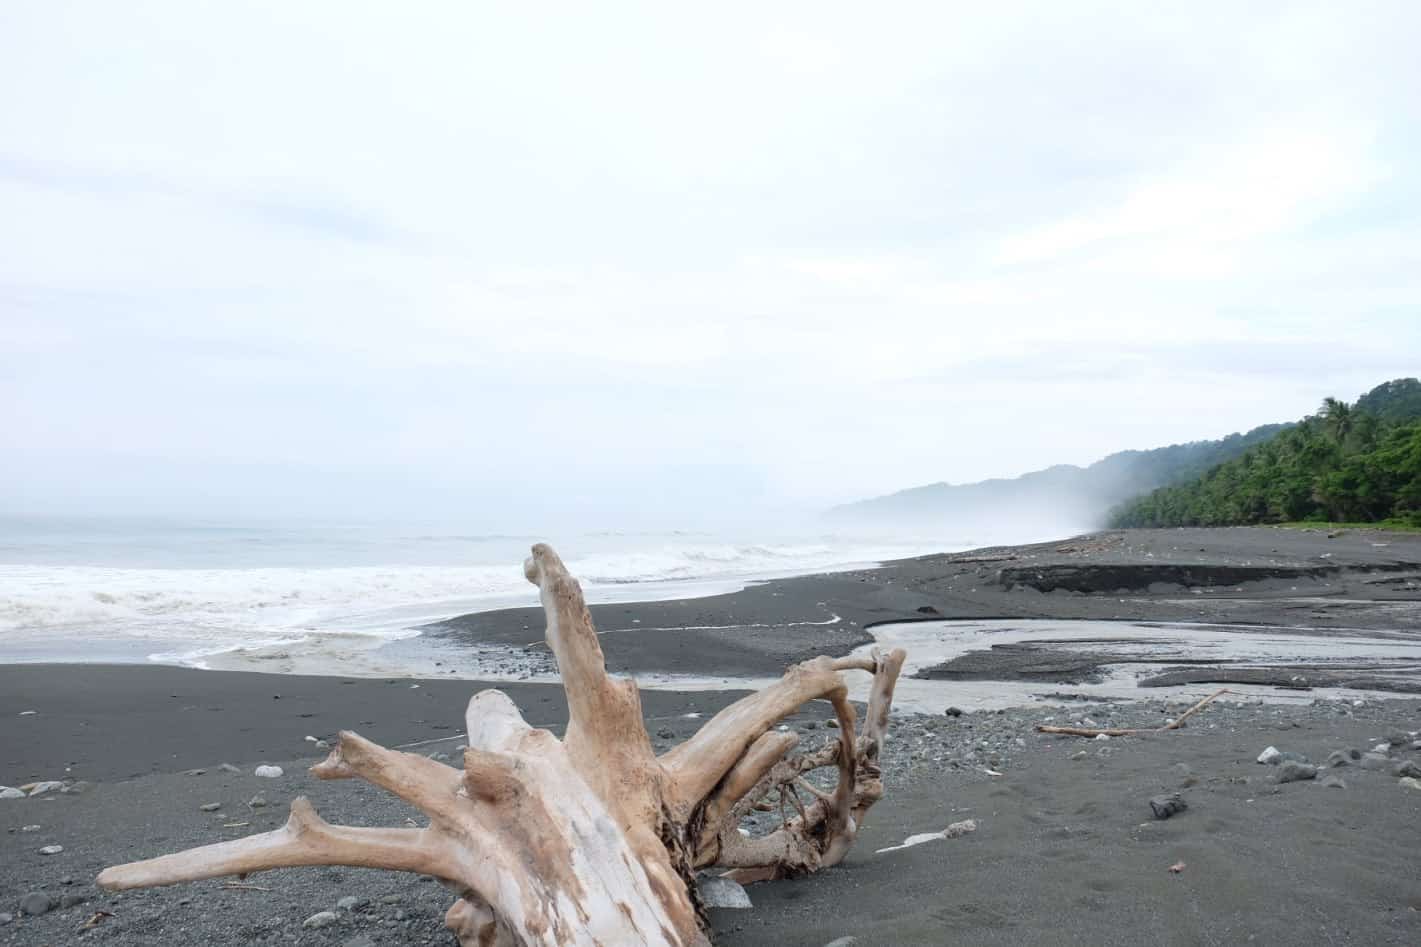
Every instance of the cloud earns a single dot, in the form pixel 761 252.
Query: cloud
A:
pixel 744 258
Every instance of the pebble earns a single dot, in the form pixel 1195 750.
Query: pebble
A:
pixel 1410 782
pixel 10 792
pixel 350 903
pixel 256 802
pixel 1079 755
pixel 1382 748
pixel 1338 758
pixel 210 806
pixel 1291 771
pixel 1333 781
pixel 1270 756
pixel 51 850
pixel 228 768
pixel 268 772
pixel 391 899
pixel 36 903
pixel 717 892
pixel 666 733
pixel 319 920
pixel 1407 768
pixel 832 723
pixel 950 712
pixel 1168 804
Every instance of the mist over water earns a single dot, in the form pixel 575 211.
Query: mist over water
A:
pixel 92 588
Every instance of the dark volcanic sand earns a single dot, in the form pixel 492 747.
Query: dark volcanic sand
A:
pixel 1065 851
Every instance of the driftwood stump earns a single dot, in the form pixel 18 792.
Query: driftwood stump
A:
pixel 591 839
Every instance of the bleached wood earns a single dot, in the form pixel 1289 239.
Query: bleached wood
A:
pixel 590 839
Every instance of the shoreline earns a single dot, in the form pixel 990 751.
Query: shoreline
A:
pixel 1066 849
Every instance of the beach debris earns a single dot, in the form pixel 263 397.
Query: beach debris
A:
pixel 592 833
pixel 235 825
pixel 95 920
pixel 717 892
pixel 1167 804
pixel 10 792
pixel 955 830
pixel 1407 768
pixel 1291 771
pixel 268 772
pixel 351 903
pixel 1177 868
pixel 1102 736
pixel 228 768
pixel 195 772
pixel 210 806
pixel 1126 732
pixel 1410 782
pixel 28 713
pixel 310 739
pixel 51 850
pixel 1079 755
pixel 952 712
pixel 38 902
pixel 1383 748
pixel 320 919
pixel 991 772
pixel 1270 756
pixel 39 789
pixel 30 828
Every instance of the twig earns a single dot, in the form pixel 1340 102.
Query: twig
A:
pixel 1119 732
pixel 234 886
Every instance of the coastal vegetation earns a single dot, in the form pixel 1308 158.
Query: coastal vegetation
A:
pixel 1356 463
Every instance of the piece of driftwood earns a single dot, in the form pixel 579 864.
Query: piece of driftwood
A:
pixel 1117 732
pixel 591 839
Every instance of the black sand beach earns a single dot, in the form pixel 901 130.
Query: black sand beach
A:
pixel 1066 849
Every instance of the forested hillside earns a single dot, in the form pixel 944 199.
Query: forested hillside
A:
pixel 1350 463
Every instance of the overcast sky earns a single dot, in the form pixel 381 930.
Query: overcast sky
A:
pixel 532 260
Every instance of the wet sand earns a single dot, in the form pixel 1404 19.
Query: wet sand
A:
pixel 1065 851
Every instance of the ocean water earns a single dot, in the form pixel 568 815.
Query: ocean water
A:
pixel 105 590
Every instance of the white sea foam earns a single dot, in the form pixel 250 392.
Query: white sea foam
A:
pixel 189 613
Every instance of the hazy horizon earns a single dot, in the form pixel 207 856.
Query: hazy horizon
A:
pixel 640 267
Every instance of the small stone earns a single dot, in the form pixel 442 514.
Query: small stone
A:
pixel 1102 736
pixel 268 772
pixel 256 802
pixel 391 899
pixel 36 903
pixel 195 772
pixel 843 942
pixel 1375 761
pixel 350 903
pixel 959 829
pixel 210 806
pixel 323 745
pixel 1407 768
pixel 319 920
pixel 1383 748
pixel 1333 781
pixel 1291 771
pixel 51 850
pixel 439 757
pixel 952 712
pixel 1270 756
pixel 1338 758
pixel 718 892
pixel 1079 755
pixel 310 739
pixel 832 723
pixel 10 792
pixel 1410 782
pixel 666 733
pixel 1168 804
pixel 228 768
